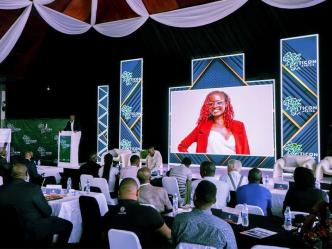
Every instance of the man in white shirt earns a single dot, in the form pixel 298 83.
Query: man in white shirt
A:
pixel 154 161
pixel 207 171
pixel 131 170
pixel 233 177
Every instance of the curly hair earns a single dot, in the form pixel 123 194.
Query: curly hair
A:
pixel 227 116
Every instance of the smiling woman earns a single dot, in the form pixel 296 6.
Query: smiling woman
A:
pixel 216 131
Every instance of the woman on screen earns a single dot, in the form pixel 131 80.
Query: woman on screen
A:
pixel 216 131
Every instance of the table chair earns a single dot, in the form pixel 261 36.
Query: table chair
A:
pixel 123 239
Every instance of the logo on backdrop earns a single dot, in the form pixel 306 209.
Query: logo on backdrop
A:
pixel 293 149
pixel 294 61
pixel 13 128
pixel 28 140
pixel 64 144
pixel 127 78
pixel 42 151
pixel 127 113
pixel 44 128
pixel 126 145
pixel 295 107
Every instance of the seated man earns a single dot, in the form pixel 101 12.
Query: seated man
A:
pixel 254 194
pixel 91 167
pixel 34 177
pixel 129 215
pixel 233 178
pixel 200 226
pixel 183 174
pixel 154 161
pixel 29 201
pixel 149 194
pixel 303 196
pixel 5 167
pixel 131 170
pixel 207 171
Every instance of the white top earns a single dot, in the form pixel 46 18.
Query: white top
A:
pixel 111 180
pixel 218 144
pixel 222 191
pixel 236 178
pixel 154 163
pixel 72 125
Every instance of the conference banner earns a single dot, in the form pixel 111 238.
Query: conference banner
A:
pixel 131 97
pixel 216 118
pixel 102 121
pixel 300 134
pixel 38 135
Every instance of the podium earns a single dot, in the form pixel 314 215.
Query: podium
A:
pixel 5 140
pixel 68 145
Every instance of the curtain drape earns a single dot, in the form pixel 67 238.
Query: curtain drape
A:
pixel 186 17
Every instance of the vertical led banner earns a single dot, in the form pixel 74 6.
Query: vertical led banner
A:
pixel 131 95
pixel 299 71
pixel 102 121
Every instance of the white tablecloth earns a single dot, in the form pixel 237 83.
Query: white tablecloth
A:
pixel 69 208
pixel 50 171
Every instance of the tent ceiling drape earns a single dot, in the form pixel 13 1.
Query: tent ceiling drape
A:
pixel 118 18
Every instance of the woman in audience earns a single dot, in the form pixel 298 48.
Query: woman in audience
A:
pixel 111 174
pixel 303 196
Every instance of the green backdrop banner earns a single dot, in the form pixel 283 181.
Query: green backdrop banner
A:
pixel 38 135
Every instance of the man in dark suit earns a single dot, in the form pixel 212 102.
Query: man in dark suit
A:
pixel 32 206
pixel 72 124
pixel 34 177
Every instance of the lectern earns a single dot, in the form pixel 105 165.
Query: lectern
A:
pixel 68 144
pixel 5 140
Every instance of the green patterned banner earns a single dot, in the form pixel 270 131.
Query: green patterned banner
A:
pixel 38 135
pixel 65 143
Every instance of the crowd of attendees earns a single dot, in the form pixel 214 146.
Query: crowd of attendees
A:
pixel 132 186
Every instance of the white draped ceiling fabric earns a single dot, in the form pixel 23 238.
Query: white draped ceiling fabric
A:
pixel 184 17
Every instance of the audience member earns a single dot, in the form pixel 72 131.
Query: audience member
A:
pixel 29 201
pixel 4 166
pixel 91 167
pixel 154 160
pixel 233 177
pixel 129 215
pixel 34 177
pixel 207 171
pixel 111 174
pixel 303 196
pixel 200 226
pixel 149 194
pixel 254 194
pixel 183 174
pixel 131 170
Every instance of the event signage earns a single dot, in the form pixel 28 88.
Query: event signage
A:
pixel 102 120
pixel 65 144
pixel 131 97
pixel 300 134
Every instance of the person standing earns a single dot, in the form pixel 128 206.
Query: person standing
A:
pixel 72 124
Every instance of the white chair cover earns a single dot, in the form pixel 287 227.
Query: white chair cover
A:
pixel 102 184
pixel 148 205
pixel 251 209
pixel 267 247
pixel 123 239
pixel 1 180
pixel 324 167
pixel 83 179
pixel 183 245
pixel 170 184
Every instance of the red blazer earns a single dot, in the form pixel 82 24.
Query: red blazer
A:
pixel 201 133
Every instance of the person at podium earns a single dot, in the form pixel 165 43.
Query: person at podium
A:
pixel 72 124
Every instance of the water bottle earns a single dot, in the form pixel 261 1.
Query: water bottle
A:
pixel 288 219
pixel 317 184
pixel 87 186
pixel 175 204
pixel 245 216
pixel 68 185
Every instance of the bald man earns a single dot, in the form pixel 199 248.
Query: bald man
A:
pixel 30 203
pixel 149 194
pixel 129 215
